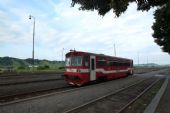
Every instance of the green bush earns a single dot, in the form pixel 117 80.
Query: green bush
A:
pixel 61 67
pixel 1 71
pixel 21 67
pixel 43 67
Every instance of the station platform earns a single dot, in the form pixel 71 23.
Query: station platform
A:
pixel 161 102
pixel 164 103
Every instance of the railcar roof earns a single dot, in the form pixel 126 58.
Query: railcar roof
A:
pixel 81 52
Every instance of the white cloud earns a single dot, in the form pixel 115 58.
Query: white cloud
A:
pixel 70 28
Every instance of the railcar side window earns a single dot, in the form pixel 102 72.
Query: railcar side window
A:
pixel 86 61
pixel 115 64
pixel 101 63
pixel 110 63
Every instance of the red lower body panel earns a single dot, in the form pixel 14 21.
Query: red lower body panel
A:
pixel 77 78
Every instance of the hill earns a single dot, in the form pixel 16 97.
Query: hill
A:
pixel 16 63
pixel 148 65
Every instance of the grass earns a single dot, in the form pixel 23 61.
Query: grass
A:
pixel 41 71
pixel 30 72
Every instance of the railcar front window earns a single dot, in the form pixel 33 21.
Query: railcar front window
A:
pixel 68 61
pixel 74 61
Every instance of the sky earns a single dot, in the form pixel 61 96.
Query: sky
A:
pixel 60 27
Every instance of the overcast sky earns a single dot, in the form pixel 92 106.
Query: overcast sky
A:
pixel 58 26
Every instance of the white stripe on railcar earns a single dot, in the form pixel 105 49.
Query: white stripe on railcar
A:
pixel 98 70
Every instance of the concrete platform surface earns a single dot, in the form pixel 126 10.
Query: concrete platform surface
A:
pixel 164 104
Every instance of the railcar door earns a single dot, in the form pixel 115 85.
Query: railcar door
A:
pixel 92 68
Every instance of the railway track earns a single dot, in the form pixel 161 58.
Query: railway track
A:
pixel 12 80
pixel 27 74
pixel 31 93
pixel 118 101
pixel 57 100
pixel 5 98
pixel 21 96
pixel 30 81
pixel 25 95
pixel 13 91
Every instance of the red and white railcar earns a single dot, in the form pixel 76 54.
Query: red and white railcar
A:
pixel 83 67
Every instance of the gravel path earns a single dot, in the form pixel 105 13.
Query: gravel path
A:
pixel 58 103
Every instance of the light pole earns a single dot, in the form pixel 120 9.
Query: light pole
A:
pixel 114 50
pixel 30 17
pixel 138 58
pixel 62 53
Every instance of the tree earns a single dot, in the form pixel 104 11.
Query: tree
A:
pixel 21 67
pixel 120 6
pixel 43 67
pixel 161 27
